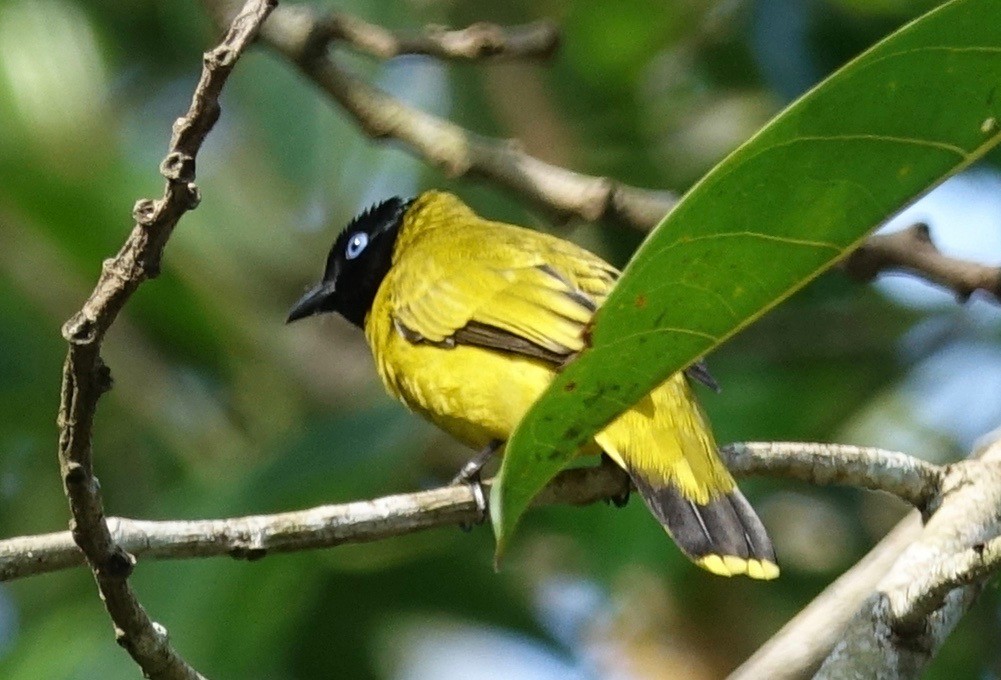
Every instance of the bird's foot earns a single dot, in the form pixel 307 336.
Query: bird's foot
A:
pixel 470 475
pixel 622 499
pixel 471 470
pixel 480 497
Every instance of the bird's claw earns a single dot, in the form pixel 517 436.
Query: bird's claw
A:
pixel 470 474
pixel 621 500
pixel 479 496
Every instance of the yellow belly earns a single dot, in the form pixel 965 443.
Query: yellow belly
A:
pixel 474 394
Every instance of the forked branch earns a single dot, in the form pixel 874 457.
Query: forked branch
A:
pixel 86 378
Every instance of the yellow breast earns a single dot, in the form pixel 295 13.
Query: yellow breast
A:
pixel 474 394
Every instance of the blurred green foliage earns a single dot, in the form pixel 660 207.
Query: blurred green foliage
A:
pixel 218 408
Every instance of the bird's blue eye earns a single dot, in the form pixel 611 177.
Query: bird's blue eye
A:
pixel 356 244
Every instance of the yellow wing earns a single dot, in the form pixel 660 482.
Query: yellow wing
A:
pixel 526 292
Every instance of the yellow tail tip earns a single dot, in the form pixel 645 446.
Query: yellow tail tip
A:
pixel 731 565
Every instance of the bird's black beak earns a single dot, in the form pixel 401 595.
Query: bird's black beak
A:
pixel 313 302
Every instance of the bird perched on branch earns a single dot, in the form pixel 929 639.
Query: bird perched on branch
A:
pixel 469 320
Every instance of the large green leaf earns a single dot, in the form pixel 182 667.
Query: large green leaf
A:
pixel 916 108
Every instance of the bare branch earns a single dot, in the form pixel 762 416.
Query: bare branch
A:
pixel 912 250
pixel 476 42
pixel 901 625
pixel 898 628
pixel 962 569
pixel 85 377
pixel 364 521
pixel 299 33
pixel 798 649
pixel 911 479
pixel 255 536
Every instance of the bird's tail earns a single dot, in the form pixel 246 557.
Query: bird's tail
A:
pixel 666 446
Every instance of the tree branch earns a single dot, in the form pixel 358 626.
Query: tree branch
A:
pixel 85 377
pixel 476 42
pixel 911 610
pixel 912 250
pixel 253 537
pixel 897 631
pixel 363 521
pixel 962 569
pixel 800 647
pixel 910 479
pixel 301 34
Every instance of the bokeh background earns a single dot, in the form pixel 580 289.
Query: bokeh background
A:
pixel 219 409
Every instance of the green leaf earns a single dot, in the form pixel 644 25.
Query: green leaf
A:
pixel 908 113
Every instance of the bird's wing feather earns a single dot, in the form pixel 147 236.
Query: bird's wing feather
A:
pixel 531 295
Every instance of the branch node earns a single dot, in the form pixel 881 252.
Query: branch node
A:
pixel 75 474
pixel 243 552
pixel 144 212
pixel 251 549
pixel 596 205
pixel 178 167
pixel 80 330
pixel 913 250
pixel 102 376
pixel 317 39
pixel 194 195
pixel 907 628
pixel 922 233
pixel 220 57
pixel 119 564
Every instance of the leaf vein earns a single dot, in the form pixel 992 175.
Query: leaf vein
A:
pixel 657 331
pixel 753 234
pixel 855 137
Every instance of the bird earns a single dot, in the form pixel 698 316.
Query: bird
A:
pixel 468 321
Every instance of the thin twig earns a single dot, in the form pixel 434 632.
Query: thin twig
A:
pixel 85 377
pixel 910 479
pixel 912 250
pixel 363 521
pixel 479 41
pixel 299 33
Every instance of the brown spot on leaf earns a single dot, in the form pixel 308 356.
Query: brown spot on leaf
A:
pixel 640 301
pixel 570 386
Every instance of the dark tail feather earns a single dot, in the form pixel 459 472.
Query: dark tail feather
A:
pixel 724 535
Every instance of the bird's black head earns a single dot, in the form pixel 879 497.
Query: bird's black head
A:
pixel 356 266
